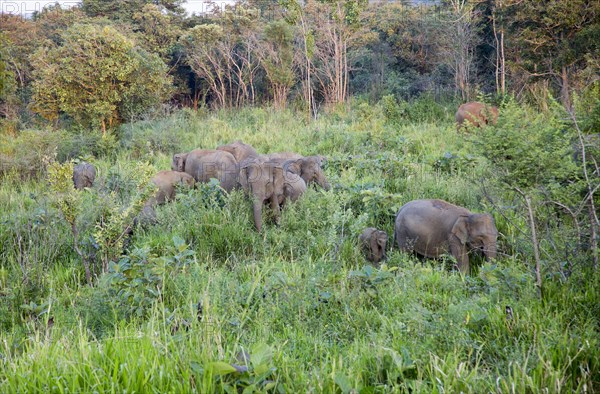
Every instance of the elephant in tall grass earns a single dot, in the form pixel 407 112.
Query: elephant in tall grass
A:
pixel 167 181
pixel 84 175
pixel 373 243
pixel 204 164
pixel 478 114
pixel 263 181
pixel 435 227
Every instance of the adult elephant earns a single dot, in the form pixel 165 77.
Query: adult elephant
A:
pixel 84 175
pixel 434 227
pixel 239 150
pixel 263 181
pixel 167 181
pixel 478 114
pixel 204 164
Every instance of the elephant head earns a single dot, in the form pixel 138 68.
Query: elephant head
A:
pixel 309 169
pixel 178 163
pixel 374 243
pixel 473 232
pixel 263 182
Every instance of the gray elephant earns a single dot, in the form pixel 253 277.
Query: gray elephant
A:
pixel 309 169
pixel 373 243
pixel 293 186
pixel 84 175
pixel 167 181
pixel 239 150
pixel 204 164
pixel 478 114
pixel 263 181
pixel 434 227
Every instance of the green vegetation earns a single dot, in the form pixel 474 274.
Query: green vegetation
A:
pixel 202 302
pixel 98 295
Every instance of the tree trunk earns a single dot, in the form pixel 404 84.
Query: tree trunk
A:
pixel 564 90
pixel 534 241
pixel 502 63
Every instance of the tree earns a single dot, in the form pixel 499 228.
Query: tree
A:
pixel 124 10
pixel 97 77
pixel 459 40
pixel 553 40
pixel 222 55
pixel 276 54
pixel 158 30
pixel 336 22
pixel 296 14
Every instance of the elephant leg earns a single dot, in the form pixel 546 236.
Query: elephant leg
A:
pixel 275 207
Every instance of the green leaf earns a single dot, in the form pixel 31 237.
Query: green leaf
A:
pixel 261 354
pixel 196 367
pixel 179 243
pixel 221 368
pixel 343 382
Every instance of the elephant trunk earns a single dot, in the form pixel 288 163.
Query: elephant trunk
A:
pixel 489 250
pixel 322 181
pixel 258 215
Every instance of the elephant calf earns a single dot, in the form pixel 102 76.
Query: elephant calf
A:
pixel 478 114
pixel 373 243
pixel 167 181
pixel 84 175
pixel 435 227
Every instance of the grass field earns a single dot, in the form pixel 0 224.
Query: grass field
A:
pixel 201 302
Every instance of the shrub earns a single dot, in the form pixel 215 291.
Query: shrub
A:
pixel 97 76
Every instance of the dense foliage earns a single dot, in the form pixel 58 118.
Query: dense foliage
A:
pixel 201 302
pixel 93 298
pixel 312 54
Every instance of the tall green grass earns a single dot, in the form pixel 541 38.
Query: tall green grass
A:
pixel 299 298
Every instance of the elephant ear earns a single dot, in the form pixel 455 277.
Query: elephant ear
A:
pixel 243 179
pixel 294 166
pixel 461 229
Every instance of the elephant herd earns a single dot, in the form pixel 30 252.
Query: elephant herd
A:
pixel 269 179
pixel 429 228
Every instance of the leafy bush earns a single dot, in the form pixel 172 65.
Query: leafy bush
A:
pixel 528 150
pixel 136 281
pixel 78 77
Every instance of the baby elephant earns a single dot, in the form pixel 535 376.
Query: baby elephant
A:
pixel 373 243
pixel 84 175
pixel 167 181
